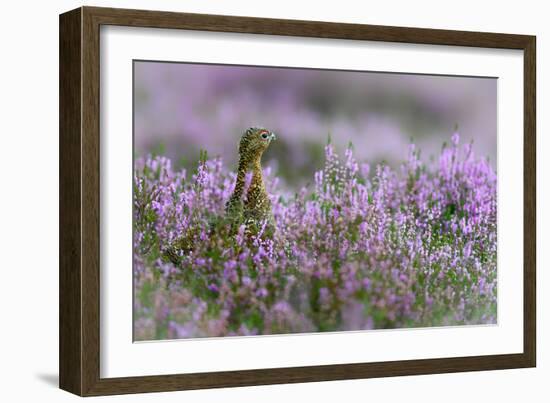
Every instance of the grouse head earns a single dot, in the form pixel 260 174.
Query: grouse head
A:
pixel 254 142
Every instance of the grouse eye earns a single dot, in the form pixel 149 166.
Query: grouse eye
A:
pixel 264 135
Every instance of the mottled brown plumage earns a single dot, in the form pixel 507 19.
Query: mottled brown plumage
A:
pixel 254 210
pixel 256 207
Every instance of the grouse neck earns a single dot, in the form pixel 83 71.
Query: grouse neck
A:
pixel 257 170
pixel 241 176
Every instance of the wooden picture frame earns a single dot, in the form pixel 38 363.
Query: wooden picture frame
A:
pixel 79 348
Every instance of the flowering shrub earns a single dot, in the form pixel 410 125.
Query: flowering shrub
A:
pixel 301 105
pixel 354 250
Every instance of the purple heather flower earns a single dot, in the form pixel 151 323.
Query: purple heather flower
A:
pixel 414 246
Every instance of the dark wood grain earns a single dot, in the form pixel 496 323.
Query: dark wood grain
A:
pixel 70 187
pixel 161 383
pixel 80 196
pixel 90 201
pixel 530 202
pixel 316 29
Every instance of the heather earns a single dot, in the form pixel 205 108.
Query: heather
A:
pixel 359 247
pixel 181 108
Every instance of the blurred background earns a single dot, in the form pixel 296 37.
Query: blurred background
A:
pixel 181 108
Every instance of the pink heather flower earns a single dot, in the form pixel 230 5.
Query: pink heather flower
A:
pixel 414 246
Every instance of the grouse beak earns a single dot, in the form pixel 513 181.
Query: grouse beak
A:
pixel 272 136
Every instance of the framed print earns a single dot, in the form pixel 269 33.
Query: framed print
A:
pixel 249 201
